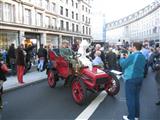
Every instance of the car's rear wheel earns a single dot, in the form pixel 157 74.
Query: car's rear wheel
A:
pixel 52 78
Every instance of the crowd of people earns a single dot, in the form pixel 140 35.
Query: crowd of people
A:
pixel 128 59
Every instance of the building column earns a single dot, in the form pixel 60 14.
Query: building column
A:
pixel 59 40
pixel 21 37
pixel 43 38
pixel 73 40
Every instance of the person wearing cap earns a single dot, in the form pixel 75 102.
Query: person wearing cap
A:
pixel 65 51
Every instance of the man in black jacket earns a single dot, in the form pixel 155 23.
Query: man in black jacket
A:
pixel 12 58
pixel 42 54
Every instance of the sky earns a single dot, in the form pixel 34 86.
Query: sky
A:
pixel 116 9
pixel 113 10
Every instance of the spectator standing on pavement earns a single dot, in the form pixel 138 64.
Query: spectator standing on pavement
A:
pixel 145 52
pixel 20 61
pixel 42 54
pixel 157 76
pixel 3 71
pixel 4 55
pixel 12 58
pixel 133 67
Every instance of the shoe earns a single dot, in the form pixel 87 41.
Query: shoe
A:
pixel 158 103
pixel 136 118
pixel 125 117
pixel 21 82
pixel 37 69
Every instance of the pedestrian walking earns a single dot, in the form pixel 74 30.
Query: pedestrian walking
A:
pixel 133 68
pixel 20 61
pixel 42 54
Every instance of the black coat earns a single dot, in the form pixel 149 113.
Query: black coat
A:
pixel 12 52
pixel 111 59
pixel 157 76
pixel 20 57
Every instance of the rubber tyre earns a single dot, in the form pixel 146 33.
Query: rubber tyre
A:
pixel 79 91
pixel 52 78
pixel 113 86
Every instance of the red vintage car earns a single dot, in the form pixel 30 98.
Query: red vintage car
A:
pixel 82 79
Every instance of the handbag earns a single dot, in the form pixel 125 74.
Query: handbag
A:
pixel 4 68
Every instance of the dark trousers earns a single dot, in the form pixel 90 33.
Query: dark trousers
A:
pixel 146 69
pixel 132 90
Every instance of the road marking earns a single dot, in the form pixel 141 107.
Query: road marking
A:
pixel 86 114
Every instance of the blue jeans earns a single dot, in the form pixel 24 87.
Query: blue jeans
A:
pixel 40 65
pixel 132 90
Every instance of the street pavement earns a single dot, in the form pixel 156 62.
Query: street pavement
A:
pixel 40 102
pixel 28 78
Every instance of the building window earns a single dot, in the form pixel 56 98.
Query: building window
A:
pixel 86 9
pixel 53 7
pixel 76 16
pixel 72 3
pixel 47 22
pixel 62 25
pixel 72 27
pixel 66 12
pixel 89 31
pixel 83 18
pixel 86 30
pixel 61 10
pixel 66 1
pixel 82 7
pixel 72 15
pixel 83 29
pixel 8 37
pixel 67 26
pixel 76 5
pixel 77 28
pixel 89 11
pixel 46 4
pixel 9 12
pixel 53 23
pixel 89 20
pixel 86 19
pixel 27 17
pixel 39 19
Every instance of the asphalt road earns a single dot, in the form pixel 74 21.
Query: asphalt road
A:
pixel 40 102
